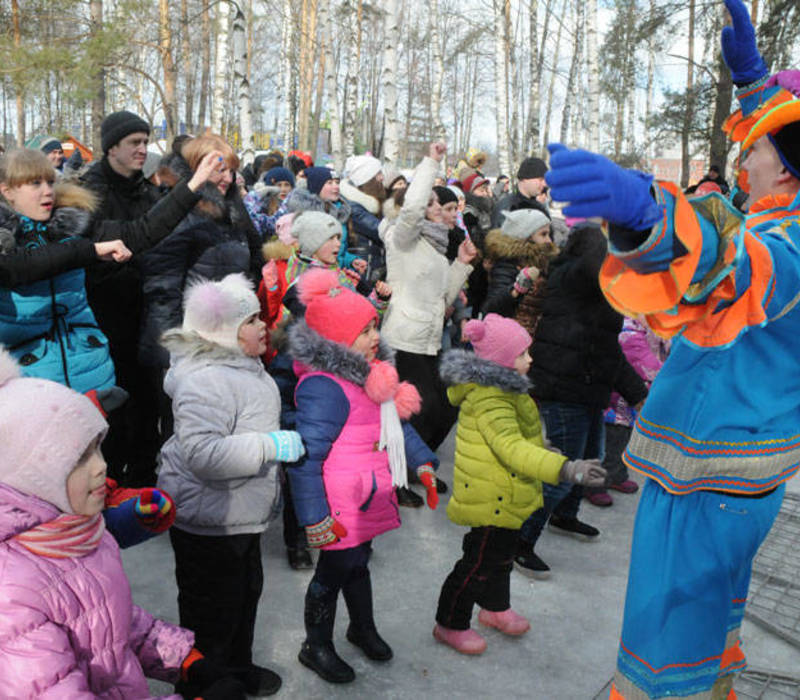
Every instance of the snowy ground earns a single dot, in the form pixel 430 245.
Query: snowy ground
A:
pixel 568 654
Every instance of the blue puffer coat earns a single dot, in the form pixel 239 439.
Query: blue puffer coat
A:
pixel 47 324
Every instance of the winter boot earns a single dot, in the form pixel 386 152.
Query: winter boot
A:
pixel 507 621
pixel 362 632
pixel 463 641
pixel 318 652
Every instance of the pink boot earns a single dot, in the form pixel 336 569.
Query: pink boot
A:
pixel 463 641
pixel 507 621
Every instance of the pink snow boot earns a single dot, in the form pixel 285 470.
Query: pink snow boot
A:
pixel 507 621
pixel 463 641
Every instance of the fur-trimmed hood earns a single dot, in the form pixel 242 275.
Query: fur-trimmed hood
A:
pixel 460 367
pixel 352 194
pixel 71 215
pixel 303 200
pixel 212 205
pixel 319 354
pixel 499 246
pixel 277 250
pixel 312 352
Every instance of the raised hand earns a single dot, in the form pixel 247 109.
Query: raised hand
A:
pixel 739 48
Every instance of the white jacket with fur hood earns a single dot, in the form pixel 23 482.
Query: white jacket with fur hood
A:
pixel 219 465
pixel 424 283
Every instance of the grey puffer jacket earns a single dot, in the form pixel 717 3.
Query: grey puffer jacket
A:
pixel 219 465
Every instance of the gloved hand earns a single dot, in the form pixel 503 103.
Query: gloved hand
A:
pixel 586 472
pixel 327 531
pixel 594 186
pixel 525 279
pixel 427 477
pixel 201 678
pixel 154 506
pixel 739 48
pixel 288 445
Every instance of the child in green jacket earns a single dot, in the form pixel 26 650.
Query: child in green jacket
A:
pixel 501 459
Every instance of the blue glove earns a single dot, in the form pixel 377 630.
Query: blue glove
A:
pixel 594 186
pixel 739 47
pixel 288 445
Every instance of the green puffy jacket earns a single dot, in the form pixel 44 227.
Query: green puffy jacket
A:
pixel 500 458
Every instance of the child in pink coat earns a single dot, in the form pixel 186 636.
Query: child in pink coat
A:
pixel 67 621
pixel 350 404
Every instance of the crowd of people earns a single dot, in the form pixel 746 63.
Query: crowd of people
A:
pixel 198 347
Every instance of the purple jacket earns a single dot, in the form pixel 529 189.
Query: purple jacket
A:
pixel 69 628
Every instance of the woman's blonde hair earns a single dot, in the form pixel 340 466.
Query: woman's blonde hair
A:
pixel 23 165
pixel 198 148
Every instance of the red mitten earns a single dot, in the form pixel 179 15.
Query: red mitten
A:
pixel 427 477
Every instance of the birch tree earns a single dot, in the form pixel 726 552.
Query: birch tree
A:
pixel 242 85
pixel 391 146
pixel 220 66
pixel 593 75
pixel 351 81
pixel 501 86
pixel 534 69
pixel 577 49
pixel 169 68
pixel 689 111
pixel 439 132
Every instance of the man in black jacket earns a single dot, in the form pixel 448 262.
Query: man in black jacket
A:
pixel 530 185
pixel 131 209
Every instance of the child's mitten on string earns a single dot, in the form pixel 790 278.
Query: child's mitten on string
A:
pixel 427 477
pixel 326 531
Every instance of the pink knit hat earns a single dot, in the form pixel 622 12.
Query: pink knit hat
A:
pixel 283 227
pixel 45 429
pixel 334 311
pixel 497 339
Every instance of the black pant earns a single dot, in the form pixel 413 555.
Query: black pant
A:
pixel 481 576
pixel 617 438
pixel 336 567
pixel 219 583
pixel 294 536
pixel 437 416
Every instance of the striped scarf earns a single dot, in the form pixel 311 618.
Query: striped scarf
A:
pixel 65 537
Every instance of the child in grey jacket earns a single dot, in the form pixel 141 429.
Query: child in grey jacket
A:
pixel 221 467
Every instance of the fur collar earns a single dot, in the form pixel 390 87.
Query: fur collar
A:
pixel 71 214
pixel 353 194
pixel 276 250
pixel 463 367
pixel 378 379
pixel 303 200
pixel 499 246
pixel 189 344
pixel 319 354
pixel 212 205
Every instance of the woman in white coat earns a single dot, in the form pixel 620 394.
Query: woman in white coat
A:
pixel 424 284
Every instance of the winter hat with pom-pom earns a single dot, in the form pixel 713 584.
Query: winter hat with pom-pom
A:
pixel 332 310
pixel 522 223
pixel 215 310
pixel 497 339
pixel 283 227
pixel 45 429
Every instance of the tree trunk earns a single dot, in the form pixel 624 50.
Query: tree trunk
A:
pixel 170 70
pixel 326 25
pixel 320 81
pixel 188 68
pixel 351 81
pixel 650 94
pixel 688 112
pixel 205 77
pixel 391 145
pixel 720 146
pixel 18 90
pixel 242 85
pixel 501 86
pixel 512 96
pixel 532 135
pixel 593 75
pixel 99 80
pixel 221 67
pixel 439 132
pixel 577 50
pixel 551 88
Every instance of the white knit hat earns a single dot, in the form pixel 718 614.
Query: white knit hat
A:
pixel 215 310
pixel 313 228
pixel 361 169
pixel 522 223
pixel 45 428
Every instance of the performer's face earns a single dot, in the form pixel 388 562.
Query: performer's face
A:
pixel 765 172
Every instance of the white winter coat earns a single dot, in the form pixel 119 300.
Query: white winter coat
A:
pixel 219 465
pixel 424 283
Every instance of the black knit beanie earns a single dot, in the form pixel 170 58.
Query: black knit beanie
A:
pixel 445 195
pixel 51 145
pixel 787 143
pixel 531 168
pixel 117 125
